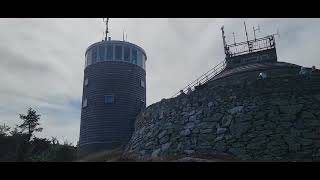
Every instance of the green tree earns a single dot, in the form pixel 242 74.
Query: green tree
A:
pixel 30 122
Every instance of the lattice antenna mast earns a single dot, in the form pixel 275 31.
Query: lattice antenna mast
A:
pixel 106 20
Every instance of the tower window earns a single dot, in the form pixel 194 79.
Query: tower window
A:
pixel 118 52
pixel 108 99
pixel 142 83
pixel 85 103
pixel 101 53
pixel 86 82
pixel 126 53
pixel 109 52
pixel 94 55
pixel 89 58
pixel 143 61
pixel 134 56
pixel 140 59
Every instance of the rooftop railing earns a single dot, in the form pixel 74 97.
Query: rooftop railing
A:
pixel 203 79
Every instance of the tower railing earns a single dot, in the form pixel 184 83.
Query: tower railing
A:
pixel 203 78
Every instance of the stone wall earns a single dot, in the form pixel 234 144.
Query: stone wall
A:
pixel 273 119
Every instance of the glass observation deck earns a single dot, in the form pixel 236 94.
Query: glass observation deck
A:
pixel 112 50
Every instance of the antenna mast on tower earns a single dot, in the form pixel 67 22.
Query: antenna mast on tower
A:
pixel 254 32
pixel 107 31
pixel 234 38
pixel 250 47
pixel 245 28
pixel 123 35
pixel 226 51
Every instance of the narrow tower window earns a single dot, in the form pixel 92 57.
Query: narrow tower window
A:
pixel 108 99
pixel 134 56
pixel 142 83
pixel 126 53
pixel 94 55
pixel 140 59
pixel 101 53
pixel 86 82
pixel 118 52
pixel 85 103
pixel 143 61
pixel 86 63
pixel 89 58
pixel 110 52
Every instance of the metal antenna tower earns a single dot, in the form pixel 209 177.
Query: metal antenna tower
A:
pixel 106 20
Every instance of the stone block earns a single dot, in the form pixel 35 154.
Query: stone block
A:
pixel 191 112
pixel 226 120
pixel 235 110
pixel 164 139
pixel 192 118
pixel 162 133
pixel 185 132
pixel 189 125
pixel 221 130
pixel 204 131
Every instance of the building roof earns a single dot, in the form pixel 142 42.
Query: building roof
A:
pixel 254 67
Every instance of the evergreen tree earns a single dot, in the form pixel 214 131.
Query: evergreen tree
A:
pixel 30 122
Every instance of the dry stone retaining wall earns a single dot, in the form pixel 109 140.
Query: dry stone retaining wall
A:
pixel 272 119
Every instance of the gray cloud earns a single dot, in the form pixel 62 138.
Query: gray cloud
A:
pixel 42 60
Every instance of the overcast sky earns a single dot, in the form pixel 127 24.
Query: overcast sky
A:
pixel 42 60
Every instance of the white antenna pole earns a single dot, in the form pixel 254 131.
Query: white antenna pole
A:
pixel 234 38
pixel 254 32
pixel 122 34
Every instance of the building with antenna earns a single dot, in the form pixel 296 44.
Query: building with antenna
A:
pixel 250 51
pixel 248 107
pixel 258 54
pixel 114 92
